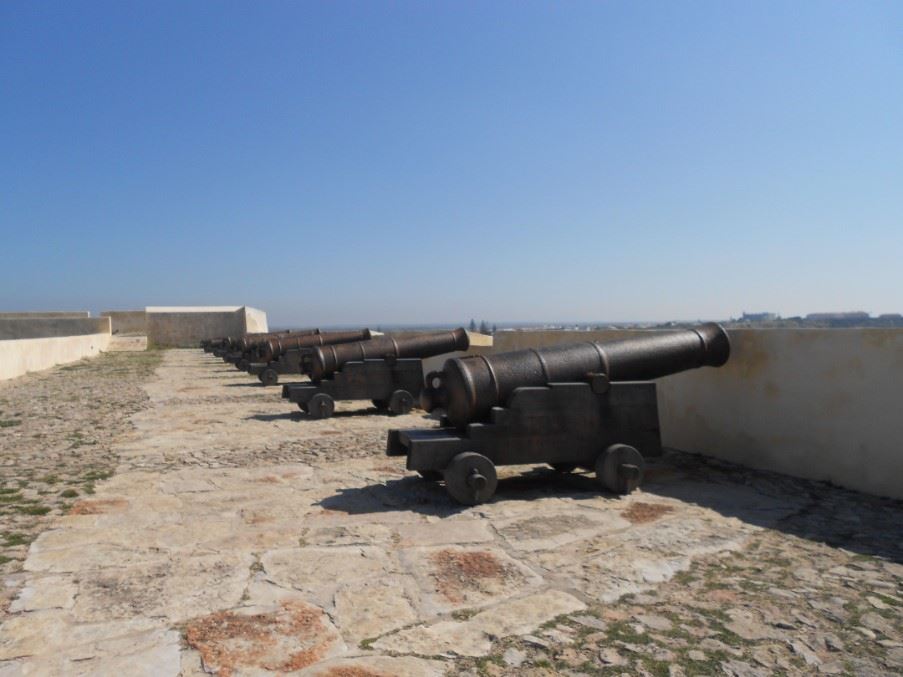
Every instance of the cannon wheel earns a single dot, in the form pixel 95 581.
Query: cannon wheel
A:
pixel 320 405
pixel 564 467
pixel 620 468
pixel 269 377
pixel 430 475
pixel 401 402
pixel 242 365
pixel 470 478
pixel 380 404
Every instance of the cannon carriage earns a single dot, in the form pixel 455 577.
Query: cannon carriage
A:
pixel 386 371
pixel 392 385
pixel 588 405
pixel 290 362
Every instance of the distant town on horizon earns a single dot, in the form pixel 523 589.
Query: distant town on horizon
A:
pixel 764 320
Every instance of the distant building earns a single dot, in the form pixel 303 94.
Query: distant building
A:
pixel 832 317
pixel 759 317
pixel 889 320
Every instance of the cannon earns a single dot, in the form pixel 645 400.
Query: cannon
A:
pixel 239 350
pixel 223 345
pixel 387 371
pixel 578 405
pixel 272 348
pixel 290 355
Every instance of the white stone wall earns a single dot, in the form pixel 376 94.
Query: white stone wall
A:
pixel 20 356
pixel 255 320
pixel 127 321
pixel 186 326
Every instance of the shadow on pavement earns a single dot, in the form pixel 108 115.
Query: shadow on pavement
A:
pixel 815 511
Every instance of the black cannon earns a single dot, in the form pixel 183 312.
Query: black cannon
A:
pixel 241 350
pixel 225 344
pixel 385 370
pixel 291 355
pixel 587 405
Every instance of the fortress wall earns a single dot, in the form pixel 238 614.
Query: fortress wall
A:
pixel 33 344
pixel 185 327
pixel 45 314
pixel 127 321
pixel 255 320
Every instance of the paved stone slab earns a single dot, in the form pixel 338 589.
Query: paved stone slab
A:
pixel 473 637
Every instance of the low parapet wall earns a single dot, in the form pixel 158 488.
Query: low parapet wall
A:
pixel 822 404
pixel 32 344
pixel 29 315
pixel 480 344
pixel 32 328
pixel 186 327
pixel 127 321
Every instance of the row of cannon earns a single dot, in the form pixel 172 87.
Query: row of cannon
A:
pixel 590 405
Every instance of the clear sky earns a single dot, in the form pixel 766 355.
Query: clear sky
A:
pixel 415 162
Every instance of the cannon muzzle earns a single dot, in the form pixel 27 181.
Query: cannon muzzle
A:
pixel 469 387
pixel 327 360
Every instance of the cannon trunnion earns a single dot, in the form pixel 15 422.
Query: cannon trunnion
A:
pixel 391 384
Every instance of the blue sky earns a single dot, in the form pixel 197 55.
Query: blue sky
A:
pixel 416 162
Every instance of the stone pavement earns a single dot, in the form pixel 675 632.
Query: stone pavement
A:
pixel 238 537
pixel 58 429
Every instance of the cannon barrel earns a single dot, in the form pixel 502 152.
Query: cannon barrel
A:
pixel 269 350
pixel 249 341
pixel 468 387
pixel 329 359
pixel 246 342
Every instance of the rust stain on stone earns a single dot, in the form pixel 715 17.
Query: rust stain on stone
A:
pixel 641 513
pixel 458 571
pixel 722 596
pixel 388 468
pixel 287 639
pixel 98 506
pixel 268 479
pixel 257 518
pixel 352 671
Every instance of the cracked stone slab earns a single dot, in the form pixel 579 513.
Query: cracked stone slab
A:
pixel 47 592
pixel 532 532
pixel 175 590
pixel 82 558
pixel 459 577
pixel 473 637
pixel 374 608
pixel 320 572
pixel 27 635
pixel 353 534
pixel 376 666
pixel 440 532
pixel 638 559
pixel 282 638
